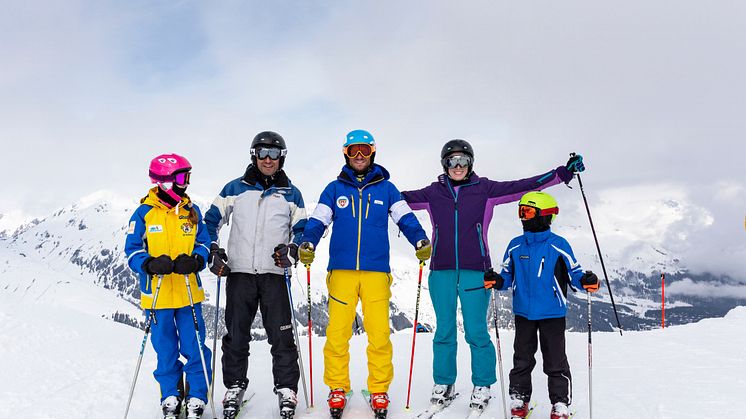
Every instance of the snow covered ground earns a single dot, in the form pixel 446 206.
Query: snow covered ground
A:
pixel 60 361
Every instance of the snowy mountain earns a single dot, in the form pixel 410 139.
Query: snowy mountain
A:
pixel 81 245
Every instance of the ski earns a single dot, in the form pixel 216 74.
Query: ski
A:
pixel 337 413
pixel 378 414
pixel 435 409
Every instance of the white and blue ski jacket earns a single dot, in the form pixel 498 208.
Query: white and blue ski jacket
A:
pixel 538 267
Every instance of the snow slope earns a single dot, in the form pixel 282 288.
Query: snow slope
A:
pixel 63 361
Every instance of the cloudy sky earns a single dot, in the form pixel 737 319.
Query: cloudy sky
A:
pixel 652 93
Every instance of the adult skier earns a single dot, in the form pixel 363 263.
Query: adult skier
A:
pixel 166 241
pixel 539 265
pixel 267 217
pixel 460 205
pixel 358 204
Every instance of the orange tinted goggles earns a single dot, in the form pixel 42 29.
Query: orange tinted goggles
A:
pixel 526 212
pixel 365 150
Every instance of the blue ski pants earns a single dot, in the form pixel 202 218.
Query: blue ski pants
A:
pixel 172 334
pixel 446 287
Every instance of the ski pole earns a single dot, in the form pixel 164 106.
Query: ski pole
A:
pixel 414 332
pixel 310 332
pixel 297 342
pixel 151 318
pixel 598 248
pixel 590 360
pixel 199 343
pixel 215 342
pixel 499 355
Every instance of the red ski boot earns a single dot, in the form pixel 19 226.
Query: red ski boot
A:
pixel 518 408
pixel 560 411
pixel 379 403
pixel 337 401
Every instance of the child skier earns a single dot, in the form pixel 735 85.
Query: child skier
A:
pixel 538 266
pixel 166 245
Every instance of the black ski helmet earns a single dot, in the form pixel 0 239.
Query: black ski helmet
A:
pixel 456 146
pixel 269 139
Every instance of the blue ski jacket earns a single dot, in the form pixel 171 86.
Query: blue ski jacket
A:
pixel 538 267
pixel 360 211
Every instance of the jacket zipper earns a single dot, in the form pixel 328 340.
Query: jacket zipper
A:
pixel 367 207
pixel 481 242
pixel 541 268
pixel 359 228
pixel 352 204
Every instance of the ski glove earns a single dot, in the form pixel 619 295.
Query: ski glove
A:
pixel 493 279
pixel 216 259
pixel 589 280
pixel 575 164
pixel 285 255
pixel 306 253
pixel 162 265
pixel 423 250
pixel 185 264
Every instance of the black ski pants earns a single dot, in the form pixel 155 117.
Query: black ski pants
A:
pixel 552 339
pixel 244 294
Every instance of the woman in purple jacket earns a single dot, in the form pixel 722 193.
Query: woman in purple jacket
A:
pixel 460 205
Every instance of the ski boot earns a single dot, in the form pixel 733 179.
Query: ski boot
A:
pixel 480 398
pixel 337 401
pixel 442 395
pixel 171 407
pixel 233 398
pixel 287 400
pixel 518 407
pixel 560 411
pixel 194 408
pixel 379 403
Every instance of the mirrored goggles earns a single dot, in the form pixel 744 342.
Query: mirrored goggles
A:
pixel 271 152
pixel 526 212
pixel 365 150
pixel 457 160
pixel 182 178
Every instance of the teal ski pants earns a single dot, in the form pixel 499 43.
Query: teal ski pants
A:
pixel 445 288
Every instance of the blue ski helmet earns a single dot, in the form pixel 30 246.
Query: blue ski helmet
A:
pixel 359 136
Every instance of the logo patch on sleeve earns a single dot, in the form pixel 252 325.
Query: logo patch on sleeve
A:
pixel 343 202
pixel 131 228
pixel 156 228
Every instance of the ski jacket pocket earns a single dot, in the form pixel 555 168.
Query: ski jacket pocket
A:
pixel 480 238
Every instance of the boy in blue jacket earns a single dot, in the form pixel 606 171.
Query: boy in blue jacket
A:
pixel 537 266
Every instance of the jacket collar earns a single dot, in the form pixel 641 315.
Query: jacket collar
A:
pixel 152 199
pixel 539 237
pixel 254 177
pixel 376 174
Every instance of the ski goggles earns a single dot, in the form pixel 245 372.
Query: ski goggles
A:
pixel 365 150
pixel 527 212
pixel 273 153
pixel 457 160
pixel 182 178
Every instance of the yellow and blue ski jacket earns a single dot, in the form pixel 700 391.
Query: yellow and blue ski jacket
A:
pixel 360 211
pixel 155 230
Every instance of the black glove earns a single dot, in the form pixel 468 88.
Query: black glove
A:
pixel 493 279
pixel 162 265
pixel 589 281
pixel 285 256
pixel 185 264
pixel 575 164
pixel 217 259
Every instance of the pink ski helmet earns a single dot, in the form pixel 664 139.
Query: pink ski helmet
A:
pixel 172 169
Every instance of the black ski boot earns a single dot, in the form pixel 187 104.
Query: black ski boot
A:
pixel 233 399
pixel 287 400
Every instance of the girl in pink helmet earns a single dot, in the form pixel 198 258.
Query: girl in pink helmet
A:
pixel 166 245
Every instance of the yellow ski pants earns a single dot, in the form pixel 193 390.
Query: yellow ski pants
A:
pixel 374 291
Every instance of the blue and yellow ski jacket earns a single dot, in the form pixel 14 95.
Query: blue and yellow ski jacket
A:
pixel 360 210
pixel 538 267
pixel 155 230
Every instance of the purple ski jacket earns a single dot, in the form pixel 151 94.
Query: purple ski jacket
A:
pixel 461 215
